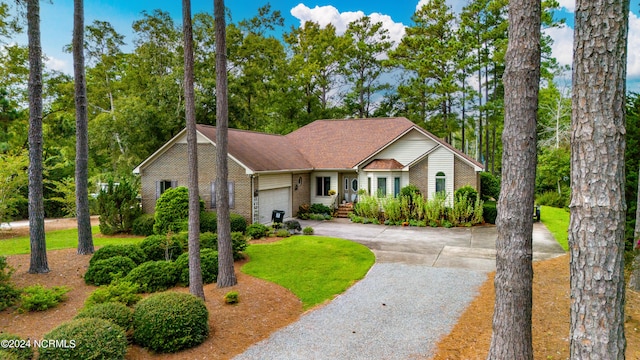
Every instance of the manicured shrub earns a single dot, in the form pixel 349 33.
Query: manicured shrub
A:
pixel 238 223
pixel 490 212
pixel 303 211
pixel 552 198
pixel 320 209
pixel 208 222
pixel 15 352
pixel 170 322
pixel 231 297
pixel 91 338
pixel 9 295
pixel 103 272
pixel 172 209
pixel 39 298
pixel 118 206
pixel 121 291
pixel 489 186
pixel 143 225
pixel 307 230
pixel 161 247
pixel 131 251
pixel 466 191
pixel 238 244
pixel 154 276
pixel 115 312
pixel 209 240
pixel 283 233
pixel 208 265
pixel 257 231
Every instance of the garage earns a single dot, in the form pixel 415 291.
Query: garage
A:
pixel 274 199
pixel 274 194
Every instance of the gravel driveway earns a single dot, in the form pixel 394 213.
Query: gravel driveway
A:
pixel 397 311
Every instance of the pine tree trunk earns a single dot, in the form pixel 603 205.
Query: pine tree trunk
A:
pixel 195 271
pixel 226 274
pixel 85 239
pixel 514 274
pixel 38 262
pixel 634 280
pixel 596 230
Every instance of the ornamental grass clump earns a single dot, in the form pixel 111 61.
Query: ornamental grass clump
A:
pixel 87 338
pixel 170 322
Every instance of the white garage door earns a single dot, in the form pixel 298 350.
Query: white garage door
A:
pixel 274 199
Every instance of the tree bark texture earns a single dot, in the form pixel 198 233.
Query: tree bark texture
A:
pixel 85 239
pixel 596 229
pixel 226 273
pixel 511 337
pixel 38 262
pixel 195 271
pixel 634 280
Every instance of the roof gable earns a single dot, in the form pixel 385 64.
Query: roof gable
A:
pixel 342 144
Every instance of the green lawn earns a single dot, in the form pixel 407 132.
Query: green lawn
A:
pixel 557 221
pixel 60 239
pixel 314 268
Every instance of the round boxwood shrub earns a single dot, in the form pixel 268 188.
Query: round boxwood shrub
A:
pixel 468 191
pixel 170 322
pixel 238 223
pixel 87 338
pixel 489 186
pixel 131 251
pixel 154 276
pixel 238 244
pixel 208 222
pixel 103 272
pixel 208 264
pixel 159 247
pixel 209 240
pixel 18 353
pixel 115 312
pixel 143 225
pixel 172 209
pixel 257 231
pixel 489 212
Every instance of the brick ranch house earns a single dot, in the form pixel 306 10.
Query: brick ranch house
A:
pixel 281 172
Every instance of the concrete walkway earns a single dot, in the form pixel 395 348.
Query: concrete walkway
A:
pixel 467 248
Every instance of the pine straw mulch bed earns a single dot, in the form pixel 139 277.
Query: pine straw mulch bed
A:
pixel 471 336
pixel 266 307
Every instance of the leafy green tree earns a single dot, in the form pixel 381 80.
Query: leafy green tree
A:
pixel 13 179
pixel 367 43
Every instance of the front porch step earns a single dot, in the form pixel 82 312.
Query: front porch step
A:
pixel 344 210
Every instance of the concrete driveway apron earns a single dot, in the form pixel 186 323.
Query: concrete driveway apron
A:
pixel 471 248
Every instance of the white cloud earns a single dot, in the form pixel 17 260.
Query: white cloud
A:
pixel 562 48
pixel 633 58
pixel 569 5
pixel 59 65
pixel 325 15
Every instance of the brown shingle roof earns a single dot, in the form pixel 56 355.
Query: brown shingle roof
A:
pixel 342 144
pixel 384 164
pixel 260 151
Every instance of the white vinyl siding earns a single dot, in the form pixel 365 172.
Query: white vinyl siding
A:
pixel 275 181
pixel 441 160
pixel 408 148
pixel 325 200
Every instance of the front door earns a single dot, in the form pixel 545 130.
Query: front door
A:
pixel 350 188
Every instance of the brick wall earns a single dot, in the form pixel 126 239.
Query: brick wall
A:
pixel 172 165
pixel 464 175
pixel 419 175
pixel 303 194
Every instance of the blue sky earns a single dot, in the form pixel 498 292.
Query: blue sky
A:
pixel 57 21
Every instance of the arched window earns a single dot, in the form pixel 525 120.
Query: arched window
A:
pixel 441 182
